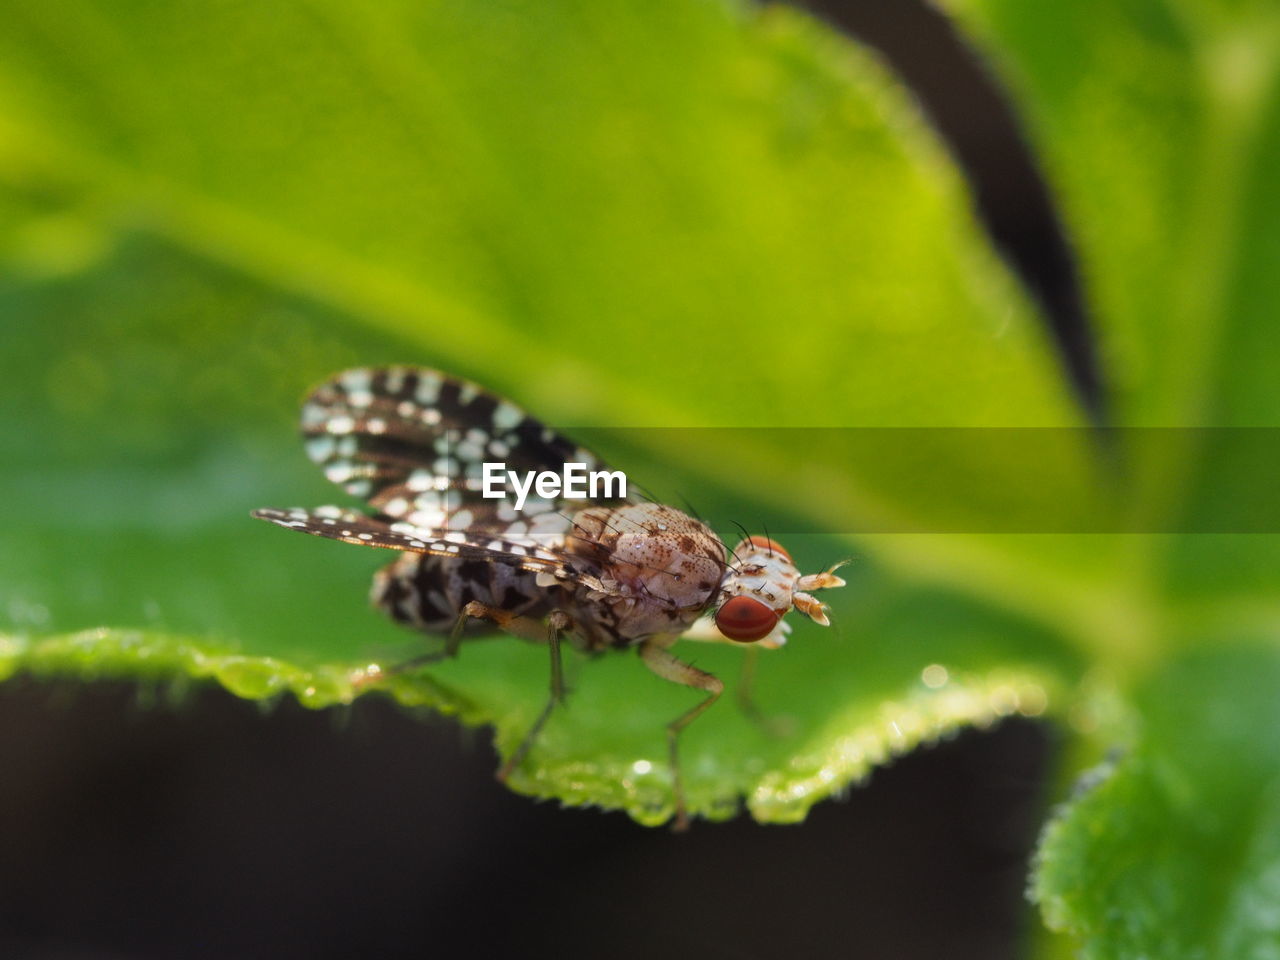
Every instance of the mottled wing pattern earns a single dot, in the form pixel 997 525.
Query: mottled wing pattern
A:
pixel 350 526
pixel 411 441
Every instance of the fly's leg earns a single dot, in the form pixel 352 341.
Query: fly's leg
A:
pixel 451 645
pixel 745 694
pixel 774 726
pixel 557 623
pixel 668 666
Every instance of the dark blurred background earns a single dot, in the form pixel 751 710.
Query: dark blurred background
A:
pixel 220 829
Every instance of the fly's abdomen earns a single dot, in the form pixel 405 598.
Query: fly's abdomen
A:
pixel 428 592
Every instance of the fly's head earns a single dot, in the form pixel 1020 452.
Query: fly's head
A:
pixel 761 587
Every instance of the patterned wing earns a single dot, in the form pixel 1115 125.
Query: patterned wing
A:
pixel 411 441
pixel 351 526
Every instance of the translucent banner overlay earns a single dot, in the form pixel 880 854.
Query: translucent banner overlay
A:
pixel 824 480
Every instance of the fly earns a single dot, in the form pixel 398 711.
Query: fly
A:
pixel 609 572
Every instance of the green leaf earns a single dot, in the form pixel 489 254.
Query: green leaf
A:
pixel 1159 123
pixel 137 516
pixel 686 214
pixel 694 182
pixel 1176 852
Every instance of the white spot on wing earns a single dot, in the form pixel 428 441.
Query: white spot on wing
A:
pixel 320 448
pixel 358 384
pixel 428 388
pixel 339 472
pixel 507 416
pixel 428 518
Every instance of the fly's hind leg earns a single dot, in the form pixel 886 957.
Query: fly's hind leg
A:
pixel 670 667
pixel 557 623
pixel 450 650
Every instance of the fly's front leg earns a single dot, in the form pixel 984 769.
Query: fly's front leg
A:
pixel 747 688
pixel 670 667
pixel 705 629
pixel 774 726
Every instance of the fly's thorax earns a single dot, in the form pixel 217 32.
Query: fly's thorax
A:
pixel 652 553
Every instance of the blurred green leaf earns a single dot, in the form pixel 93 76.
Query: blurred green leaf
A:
pixel 544 181
pixel 660 218
pixel 1160 126
pixel 687 214
pixel 1157 121
pixel 1176 852
pixel 136 516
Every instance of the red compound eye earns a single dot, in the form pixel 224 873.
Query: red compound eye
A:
pixel 764 543
pixel 745 619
